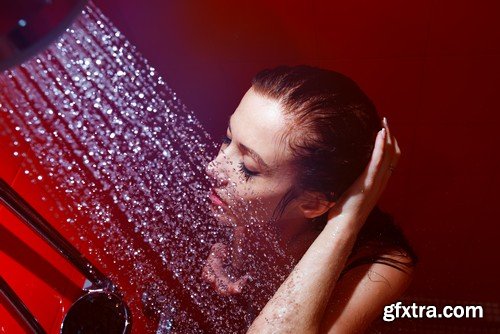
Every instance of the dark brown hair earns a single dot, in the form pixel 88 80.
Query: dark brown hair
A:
pixel 331 130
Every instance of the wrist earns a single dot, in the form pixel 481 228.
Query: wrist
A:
pixel 345 224
pixel 338 236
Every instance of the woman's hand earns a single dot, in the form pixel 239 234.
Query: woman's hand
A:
pixel 224 263
pixel 216 272
pixel 359 200
pixel 303 297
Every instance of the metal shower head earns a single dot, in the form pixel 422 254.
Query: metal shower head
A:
pixel 29 26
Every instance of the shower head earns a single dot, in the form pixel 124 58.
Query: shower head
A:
pixel 29 26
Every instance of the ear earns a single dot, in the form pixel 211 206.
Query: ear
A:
pixel 314 204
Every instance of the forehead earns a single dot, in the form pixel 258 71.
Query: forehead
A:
pixel 259 124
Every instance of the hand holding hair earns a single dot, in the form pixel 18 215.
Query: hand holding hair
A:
pixel 362 196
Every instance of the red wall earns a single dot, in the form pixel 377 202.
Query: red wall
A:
pixel 431 67
pixel 42 279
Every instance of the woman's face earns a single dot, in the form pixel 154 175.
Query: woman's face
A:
pixel 252 171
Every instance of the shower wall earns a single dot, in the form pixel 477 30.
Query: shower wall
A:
pixel 45 282
pixel 431 67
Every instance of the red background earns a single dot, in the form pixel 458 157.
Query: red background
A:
pixel 431 67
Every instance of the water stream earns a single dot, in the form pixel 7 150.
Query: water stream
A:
pixel 124 161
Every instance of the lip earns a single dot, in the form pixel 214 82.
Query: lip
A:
pixel 215 198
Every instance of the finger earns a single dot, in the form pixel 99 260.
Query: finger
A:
pixel 389 135
pixel 214 272
pixel 219 250
pixel 238 238
pixel 390 158
pixel 221 286
pixel 393 154
pixel 215 264
pixel 220 280
pixel 386 168
pixel 397 148
pixel 207 274
pixel 388 161
pixel 237 244
pixel 238 286
pixel 377 159
pixel 393 160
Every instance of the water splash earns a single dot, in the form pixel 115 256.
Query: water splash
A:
pixel 124 160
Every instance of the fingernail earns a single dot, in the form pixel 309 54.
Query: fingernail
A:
pixel 383 133
pixel 384 120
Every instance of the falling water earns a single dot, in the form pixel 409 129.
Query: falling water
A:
pixel 124 161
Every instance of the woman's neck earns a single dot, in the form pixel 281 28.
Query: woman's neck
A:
pixel 296 236
pixel 293 238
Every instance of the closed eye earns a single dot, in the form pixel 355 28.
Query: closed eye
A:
pixel 226 140
pixel 246 172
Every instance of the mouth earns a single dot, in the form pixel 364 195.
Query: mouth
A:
pixel 216 199
pixel 222 211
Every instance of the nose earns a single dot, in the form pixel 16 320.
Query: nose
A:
pixel 217 171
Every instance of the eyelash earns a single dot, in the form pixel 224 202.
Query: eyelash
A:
pixel 245 171
pixel 226 140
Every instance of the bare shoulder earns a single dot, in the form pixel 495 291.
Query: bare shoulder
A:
pixel 361 294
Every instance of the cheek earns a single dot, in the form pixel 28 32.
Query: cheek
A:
pixel 267 198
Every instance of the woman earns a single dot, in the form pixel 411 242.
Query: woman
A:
pixel 305 151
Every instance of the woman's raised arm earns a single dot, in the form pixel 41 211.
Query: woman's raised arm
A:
pixel 299 304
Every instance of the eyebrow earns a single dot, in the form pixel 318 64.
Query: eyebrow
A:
pixel 250 152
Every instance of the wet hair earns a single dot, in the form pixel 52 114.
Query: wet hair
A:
pixel 331 130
